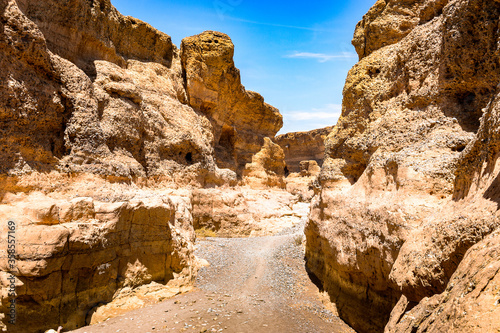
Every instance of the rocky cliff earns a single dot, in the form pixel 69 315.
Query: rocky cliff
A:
pixel 240 119
pixel 72 256
pixel 303 146
pixel 409 197
pixel 101 119
pixel 85 89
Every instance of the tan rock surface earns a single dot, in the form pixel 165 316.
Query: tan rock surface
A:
pixel 303 146
pixel 303 184
pixel 389 21
pixel 470 302
pixel 309 168
pixel 88 252
pixel 122 120
pixel 83 32
pixel 241 119
pixel 267 168
pixel 411 143
pixel 114 99
pixel 244 212
pixel 98 132
pixel 352 252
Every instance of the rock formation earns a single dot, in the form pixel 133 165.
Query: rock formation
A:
pixel 309 168
pixel 304 182
pixel 102 93
pixel 72 256
pixel 102 118
pixel 87 106
pixel 243 212
pixel 470 302
pixel 409 194
pixel 304 154
pixel 267 168
pixel 241 120
pixel 303 146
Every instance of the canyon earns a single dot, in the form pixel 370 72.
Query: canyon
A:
pixel 139 176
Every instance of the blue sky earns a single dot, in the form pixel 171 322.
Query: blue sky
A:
pixel 295 53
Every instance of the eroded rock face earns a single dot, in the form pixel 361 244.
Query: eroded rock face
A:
pixel 303 183
pixel 97 92
pixel 120 116
pixel 96 114
pixel 303 146
pixel 241 119
pixel 243 212
pixel 470 302
pixel 267 168
pixel 416 140
pixel 75 255
pixel 389 21
pixel 83 32
pixel 309 168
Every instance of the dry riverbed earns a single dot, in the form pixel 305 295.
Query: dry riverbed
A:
pixel 252 285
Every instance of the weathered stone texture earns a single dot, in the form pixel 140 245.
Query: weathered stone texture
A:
pixel 417 140
pixel 241 119
pixel 267 168
pixel 88 90
pixel 303 146
pixel 72 256
pixel 92 103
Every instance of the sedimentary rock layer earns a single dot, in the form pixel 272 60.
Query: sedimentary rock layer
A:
pixel 72 256
pixel 303 146
pixel 92 102
pixel 242 212
pixel 409 178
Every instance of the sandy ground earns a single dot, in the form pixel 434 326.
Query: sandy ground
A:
pixel 252 285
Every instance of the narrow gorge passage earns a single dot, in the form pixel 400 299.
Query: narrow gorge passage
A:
pixel 252 285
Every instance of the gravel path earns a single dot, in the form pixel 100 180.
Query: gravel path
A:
pixel 252 285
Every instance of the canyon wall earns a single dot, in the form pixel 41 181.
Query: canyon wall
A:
pixel 73 255
pixel 303 146
pixel 102 119
pixel 240 119
pixel 405 220
pixel 85 89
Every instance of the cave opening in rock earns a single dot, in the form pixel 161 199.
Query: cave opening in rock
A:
pixel 225 148
pixel 189 158
pixel 227 138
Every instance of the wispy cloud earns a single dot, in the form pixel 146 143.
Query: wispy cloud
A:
pixel 306 120
pixel 330 112
pixel 321 57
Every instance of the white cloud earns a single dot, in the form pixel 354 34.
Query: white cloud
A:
pixel 321 57
pixel 329 112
